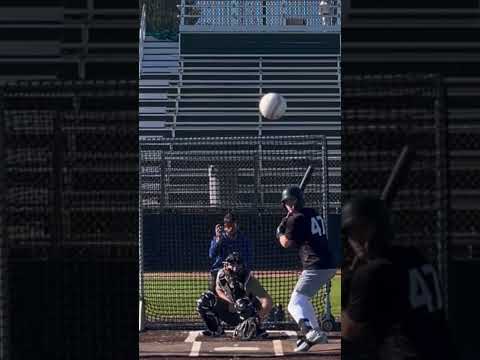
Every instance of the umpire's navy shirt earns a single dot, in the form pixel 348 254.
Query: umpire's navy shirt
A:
pixel 225 246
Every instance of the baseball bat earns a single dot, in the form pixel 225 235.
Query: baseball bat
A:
pixel 398 175
pixel 396 179
pixel 306 177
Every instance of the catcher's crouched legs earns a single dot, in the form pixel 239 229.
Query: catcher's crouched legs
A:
pixel 206 305
pixel 264 306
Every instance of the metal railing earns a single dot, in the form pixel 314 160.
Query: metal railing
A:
pixel 260 15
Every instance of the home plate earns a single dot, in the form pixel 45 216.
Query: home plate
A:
pixel 236 348
pixel 228 347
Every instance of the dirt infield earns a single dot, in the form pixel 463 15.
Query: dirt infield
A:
pixel 169 344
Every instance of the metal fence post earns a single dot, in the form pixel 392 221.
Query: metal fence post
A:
pixel 58 165
pixel 441 142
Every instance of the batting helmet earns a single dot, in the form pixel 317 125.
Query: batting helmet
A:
pixel 369 210
pixel 294 193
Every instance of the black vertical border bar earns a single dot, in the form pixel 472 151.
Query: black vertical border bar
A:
pixel 443 194
pixel 4 246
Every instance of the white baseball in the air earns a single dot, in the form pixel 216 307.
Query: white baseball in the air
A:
pixel 272 106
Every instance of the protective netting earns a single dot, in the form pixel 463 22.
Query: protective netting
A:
pixel 381 114
pixel 188 184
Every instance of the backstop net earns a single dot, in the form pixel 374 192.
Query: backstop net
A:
pixel 188 184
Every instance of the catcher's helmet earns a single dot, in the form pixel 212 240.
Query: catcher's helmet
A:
pixel 368 210
pixel 294 193
pixel 233 259
pixel 234 266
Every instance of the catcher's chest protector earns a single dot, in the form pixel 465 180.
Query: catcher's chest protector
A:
pixel 234 289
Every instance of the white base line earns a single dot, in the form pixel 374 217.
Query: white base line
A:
pixel 192 336
pixel 234 348
pixel 277 347
pixel 195 349
pixel 289 333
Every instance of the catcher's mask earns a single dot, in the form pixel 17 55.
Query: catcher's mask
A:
pixel 234 267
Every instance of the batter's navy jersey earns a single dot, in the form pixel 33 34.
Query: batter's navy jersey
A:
pixel 306 228
pixel 399 297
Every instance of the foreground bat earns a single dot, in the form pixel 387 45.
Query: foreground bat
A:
pixel 306 177
pixel 396 180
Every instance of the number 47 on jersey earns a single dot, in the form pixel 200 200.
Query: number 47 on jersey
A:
pixel 421 295
pixel 318 226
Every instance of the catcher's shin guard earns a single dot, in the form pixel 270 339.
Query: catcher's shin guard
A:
pixel 205 307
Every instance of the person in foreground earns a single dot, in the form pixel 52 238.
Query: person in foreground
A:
pixel 239 300
pixel 305 229
pixel 391 296
pixel 226 240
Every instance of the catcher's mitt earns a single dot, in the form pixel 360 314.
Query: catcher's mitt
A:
pixel 245 308
pixel 246 330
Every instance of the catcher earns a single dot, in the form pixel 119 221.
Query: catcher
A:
pixel 239 300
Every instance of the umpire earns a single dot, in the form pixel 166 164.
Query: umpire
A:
pixel 226 240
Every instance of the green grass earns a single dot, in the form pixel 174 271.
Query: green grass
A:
pixel 166 298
